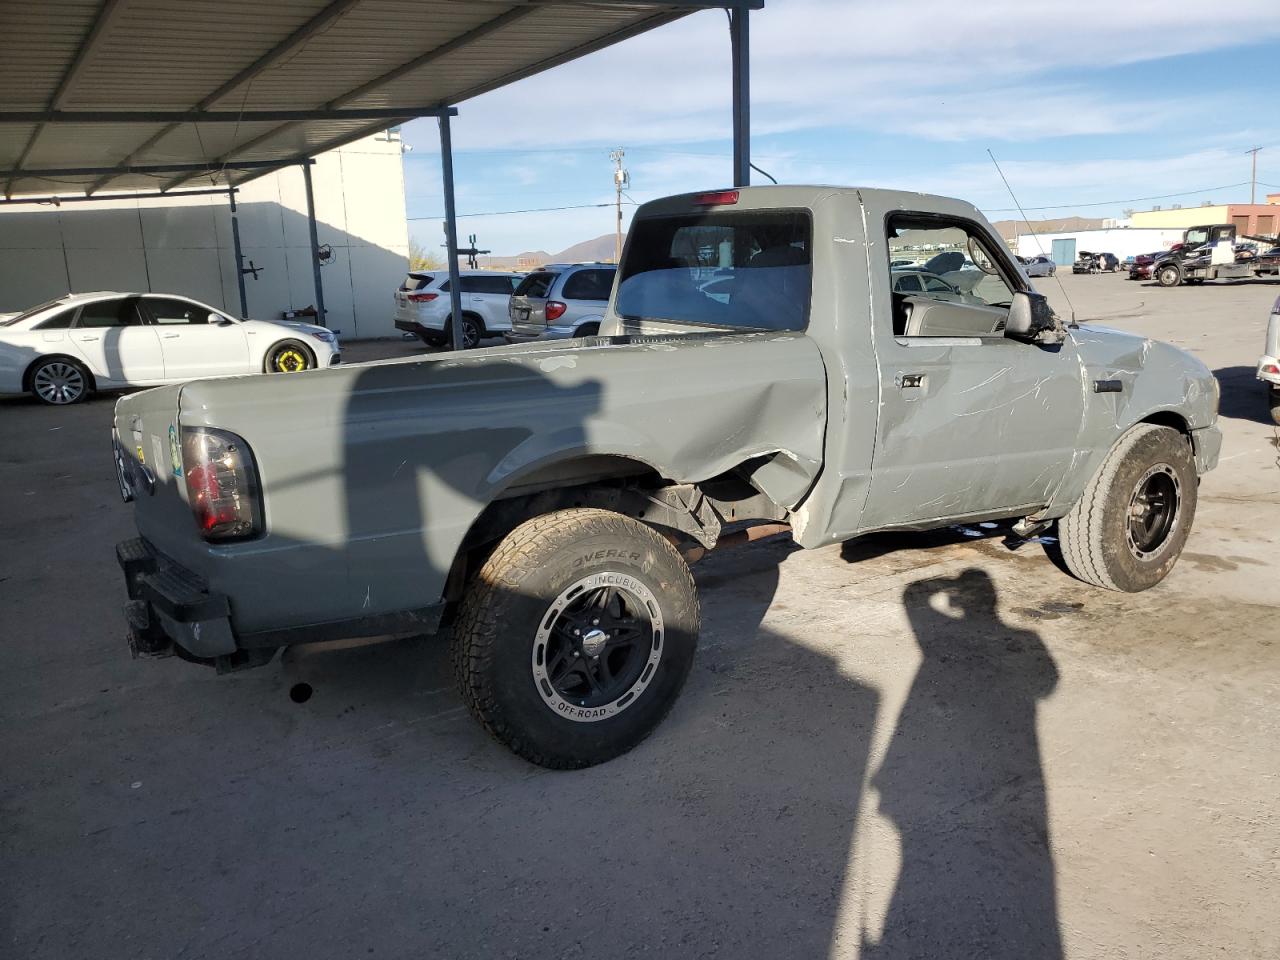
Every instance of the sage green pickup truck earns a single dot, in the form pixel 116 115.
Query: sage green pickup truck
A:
pixel 839 360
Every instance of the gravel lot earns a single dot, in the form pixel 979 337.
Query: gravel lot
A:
pixel 884 747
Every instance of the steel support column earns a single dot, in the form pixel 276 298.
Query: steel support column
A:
pixel 451 233
pixel 315 245
pixel 235 246
pixel 739 36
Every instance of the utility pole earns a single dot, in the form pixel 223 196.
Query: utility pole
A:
pixel 1253 180
pixel 621 180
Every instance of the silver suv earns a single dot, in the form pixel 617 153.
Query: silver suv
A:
pixel 560 300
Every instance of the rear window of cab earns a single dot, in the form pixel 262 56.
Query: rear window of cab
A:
pixel 748 269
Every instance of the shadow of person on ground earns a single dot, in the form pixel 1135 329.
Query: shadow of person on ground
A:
pixel 962 783
pixel 1244 396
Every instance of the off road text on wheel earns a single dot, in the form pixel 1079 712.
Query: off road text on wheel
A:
pixel 1129 527
pixel 576 636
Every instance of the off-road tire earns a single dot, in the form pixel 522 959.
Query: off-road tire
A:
pixel 1169 276
pixel 1273 401
pixel 512 597
pixel 1092 536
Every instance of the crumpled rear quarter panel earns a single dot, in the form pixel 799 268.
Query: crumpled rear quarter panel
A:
pixel 373 473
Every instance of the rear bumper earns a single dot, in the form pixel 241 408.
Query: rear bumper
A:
pixel 171 611
pixel 170 607
pixel 1265 366
pixel 527 334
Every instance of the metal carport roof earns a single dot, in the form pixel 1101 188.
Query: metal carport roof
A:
pixel 157 94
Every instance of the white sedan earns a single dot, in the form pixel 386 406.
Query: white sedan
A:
pixel 63 350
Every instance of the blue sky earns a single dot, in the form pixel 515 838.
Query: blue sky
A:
pixel 1155 98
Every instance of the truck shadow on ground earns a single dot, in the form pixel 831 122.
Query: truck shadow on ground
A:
pixel 1244 396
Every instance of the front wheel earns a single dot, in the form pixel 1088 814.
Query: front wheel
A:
pixel 59 381
pixel 576 636
pixel 289 356
pixel 1169 276
pixel 1129 527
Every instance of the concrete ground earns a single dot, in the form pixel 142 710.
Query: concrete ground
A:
pixel 885 748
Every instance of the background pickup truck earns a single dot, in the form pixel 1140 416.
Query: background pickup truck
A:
pixel 759 360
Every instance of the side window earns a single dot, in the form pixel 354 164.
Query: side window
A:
pixel 59 321
pixel 499 286
pixel 956 267
pixel 168 313
pixel 472 284
pixel 108 313
pixel 588 285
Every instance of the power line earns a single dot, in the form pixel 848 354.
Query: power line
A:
pixel 503 213
pixel 1112 203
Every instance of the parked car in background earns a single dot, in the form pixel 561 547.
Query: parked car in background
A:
pixel 423 305
pixel 1269 262
pixel 1041 266
pixel 1087 262
pixel 1142 265
pixel 561 300
pixel 910 282
pixel 1269 365
pixel 63 350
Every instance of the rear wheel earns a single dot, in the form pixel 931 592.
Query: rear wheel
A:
pixel 472 331
pixel 289 356
pixel 59 381
pixel 1130 525
pixel 1273 398
pixel 576 636
pixel 1168 276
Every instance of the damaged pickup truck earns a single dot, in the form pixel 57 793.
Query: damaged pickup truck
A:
pixel 760 360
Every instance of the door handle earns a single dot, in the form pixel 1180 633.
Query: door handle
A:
pixel 905 381
pixel 170 336
pixel 87 339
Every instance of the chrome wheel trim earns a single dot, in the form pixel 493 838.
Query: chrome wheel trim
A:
pixel 641 597
pixel 59 383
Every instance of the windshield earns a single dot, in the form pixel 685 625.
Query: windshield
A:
pixel 32 312
pixel 747 269
pixel 1196 238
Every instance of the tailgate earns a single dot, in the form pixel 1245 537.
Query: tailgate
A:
pixel 148 453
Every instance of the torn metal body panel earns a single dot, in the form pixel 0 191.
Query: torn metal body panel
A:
pixel 371 475
pixel 369 479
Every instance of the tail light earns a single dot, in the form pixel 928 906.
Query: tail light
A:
pixel 717 198
pixel 422 297
pixel 556 309
pixel 222 484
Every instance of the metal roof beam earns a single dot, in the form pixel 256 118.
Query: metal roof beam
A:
pixel 286 46
pixel 458 42
pixel 176 117
pixel 57 200
pixel 145 169
pixel 105 14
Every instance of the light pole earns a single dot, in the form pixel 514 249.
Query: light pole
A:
pixel 621 180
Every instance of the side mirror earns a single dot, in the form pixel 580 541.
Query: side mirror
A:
pixel 1031 318
pixel 218 320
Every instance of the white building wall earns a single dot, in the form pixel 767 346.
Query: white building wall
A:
pixel 1122 241
pixel 184 245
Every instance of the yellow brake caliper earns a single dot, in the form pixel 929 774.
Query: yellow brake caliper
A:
pixel 290 361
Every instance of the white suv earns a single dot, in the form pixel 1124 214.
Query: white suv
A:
pixel 422 305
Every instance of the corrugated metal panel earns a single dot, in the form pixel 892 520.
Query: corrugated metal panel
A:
pixel 174 54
